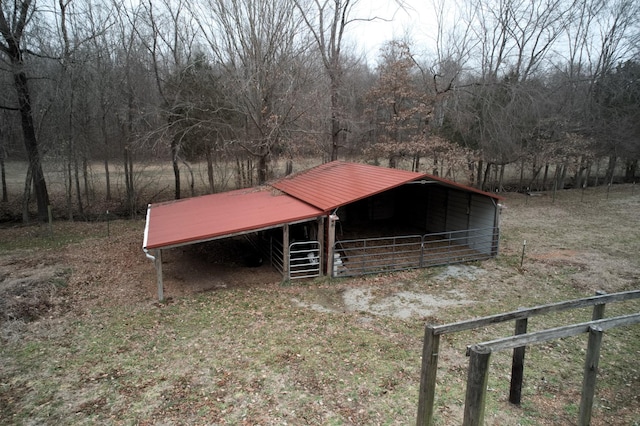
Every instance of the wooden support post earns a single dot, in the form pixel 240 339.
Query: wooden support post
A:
pixel 320 238
pixel 428 375
pixel 285 251
pixel 598 310
pixel 517 365
pixel 590 373
pixel 330 242
pixel 158 265
pixel 477 378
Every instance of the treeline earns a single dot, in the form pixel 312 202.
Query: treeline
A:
pixel 550 86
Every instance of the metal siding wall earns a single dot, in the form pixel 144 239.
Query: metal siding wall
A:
pixel 457 210
pixel 436 210
pixel 482 216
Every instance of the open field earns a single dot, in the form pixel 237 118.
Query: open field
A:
pixel 84 341
pixel 154 182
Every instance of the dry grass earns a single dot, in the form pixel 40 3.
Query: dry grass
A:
pixel 236 346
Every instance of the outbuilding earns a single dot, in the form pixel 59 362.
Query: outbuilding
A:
pixel 339 219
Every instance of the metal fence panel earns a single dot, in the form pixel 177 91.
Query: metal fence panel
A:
pixel 385 254
pixel 304 260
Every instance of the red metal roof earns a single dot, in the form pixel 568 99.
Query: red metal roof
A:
pixel 307 194
pixel 334 184
pixel 211 216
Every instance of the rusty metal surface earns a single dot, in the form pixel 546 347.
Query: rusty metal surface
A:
pixel 224 214
pixel 338 183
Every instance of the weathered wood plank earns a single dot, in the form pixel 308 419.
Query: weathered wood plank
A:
pixel 557 333
pixel 517 365
pixel 590 374
pixel 537 310
pixel 428 375
pixel 477 378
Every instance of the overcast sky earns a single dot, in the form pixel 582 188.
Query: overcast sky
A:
pixel 417 23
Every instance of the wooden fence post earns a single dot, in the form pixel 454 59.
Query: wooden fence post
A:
pixel 477 378
pixel 590 373
pixel 285 252
pixel 428 375
pixel 598 309
pixel 517 365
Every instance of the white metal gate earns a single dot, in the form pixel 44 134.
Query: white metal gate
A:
pixel 304 260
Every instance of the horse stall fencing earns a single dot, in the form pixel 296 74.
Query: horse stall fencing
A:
pixel 356 257
pixel 480 353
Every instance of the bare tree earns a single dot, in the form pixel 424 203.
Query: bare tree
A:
pixel 257 45
pixel 15 17
pixel 328 20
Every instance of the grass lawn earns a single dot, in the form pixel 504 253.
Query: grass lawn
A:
pixel 83 340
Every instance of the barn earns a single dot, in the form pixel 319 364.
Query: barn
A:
pixel 339 219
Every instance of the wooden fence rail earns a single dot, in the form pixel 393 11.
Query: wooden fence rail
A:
pixel 430 350
pixel 480 354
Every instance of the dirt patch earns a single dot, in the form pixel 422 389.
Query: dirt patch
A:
pixel 29 290
pixel 398 300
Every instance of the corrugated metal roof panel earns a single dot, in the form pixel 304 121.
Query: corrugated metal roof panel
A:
pixel 338 183
pixel 207 217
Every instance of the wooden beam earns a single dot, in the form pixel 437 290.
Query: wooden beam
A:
pixel 158 264
pixel 430 351
pixel 331 239
pixel 477 378
pixel 559 332
pixel 537 310
pixel 598 308
pixel 517 365
pixel 321 247
pixel 285 251
pixel 590 374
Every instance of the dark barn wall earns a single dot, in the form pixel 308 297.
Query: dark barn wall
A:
pixel 421 208
pixel 437 208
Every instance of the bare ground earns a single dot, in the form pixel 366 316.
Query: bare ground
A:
pixel 54 287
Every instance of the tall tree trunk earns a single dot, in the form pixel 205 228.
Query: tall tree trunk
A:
pixel 107 179
pixel 334 75
pixel 561 173
pixel 487 175
pixel 5 194
pixel 210 170
pixel 76 177
pixel 263 165
pixel 22 11
pixel 630 171
pixel 479 181
pixel 31 144
pixel 545 177
pixel 501 178
pixel 69 187
pixel 176 167
pixel 611 169
pixel 416 162
pixel 238 173
pixel 26 195
pixel 105 141
pixel 579 172
pixel 88 193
